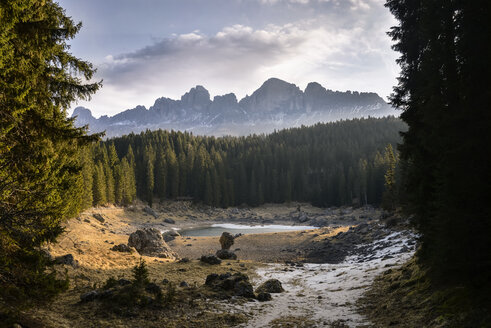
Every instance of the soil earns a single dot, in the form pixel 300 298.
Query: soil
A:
pixel 344 234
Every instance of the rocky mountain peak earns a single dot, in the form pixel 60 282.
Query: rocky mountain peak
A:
pixel 273 95
pixel 198 98
pixel 83 115
pixel 276 104
pixel 314 88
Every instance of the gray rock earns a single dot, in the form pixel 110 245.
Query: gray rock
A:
pixel 226 254
pixel 66 259
pixel 244 289
pixel 226 240
pixel 210 259
pixel 302 218
pixel 150 242
pixel 235 284
pixel 122 248
pixel 183 284
pixel 170 235
pixel 150 211
pixel 169 220
pixel 99 217
pixel 270 286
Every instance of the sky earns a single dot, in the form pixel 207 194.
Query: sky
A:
pixel 146 49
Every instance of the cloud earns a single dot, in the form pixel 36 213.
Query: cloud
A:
pixel 341 51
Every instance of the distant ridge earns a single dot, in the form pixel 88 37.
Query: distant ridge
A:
pixel 275 105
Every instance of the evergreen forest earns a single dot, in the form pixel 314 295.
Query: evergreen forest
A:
pixel 331 164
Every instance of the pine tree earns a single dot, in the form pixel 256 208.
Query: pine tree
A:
pixel 39 162
pixel 87 178
pixel 444 91
pixel 389 195
pixel 99 187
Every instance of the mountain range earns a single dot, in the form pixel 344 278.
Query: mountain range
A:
pixel 275 105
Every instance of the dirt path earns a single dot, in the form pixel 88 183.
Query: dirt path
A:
pixel 325 294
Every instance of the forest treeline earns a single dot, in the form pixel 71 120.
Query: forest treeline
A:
pixel 326 164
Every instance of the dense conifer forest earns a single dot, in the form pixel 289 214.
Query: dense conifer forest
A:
pixel 327 164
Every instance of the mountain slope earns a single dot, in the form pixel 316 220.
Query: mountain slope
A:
pixel 275 105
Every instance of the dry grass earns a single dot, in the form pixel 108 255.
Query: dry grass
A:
pixel 89 241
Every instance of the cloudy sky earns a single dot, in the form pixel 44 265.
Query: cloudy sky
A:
pixel 145 49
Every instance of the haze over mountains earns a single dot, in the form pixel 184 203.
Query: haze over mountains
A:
pixel 275 105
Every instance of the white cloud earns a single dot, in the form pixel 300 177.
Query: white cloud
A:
pixel 341 52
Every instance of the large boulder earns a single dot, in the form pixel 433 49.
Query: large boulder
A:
pixel 226 254
pixel 150 242
pixel 170 235
pixel 226 240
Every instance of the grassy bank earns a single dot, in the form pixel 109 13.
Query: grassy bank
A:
pixel 404 297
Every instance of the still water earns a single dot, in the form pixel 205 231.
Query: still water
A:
pixel 217 229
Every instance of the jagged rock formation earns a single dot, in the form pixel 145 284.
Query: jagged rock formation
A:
pixel 275 105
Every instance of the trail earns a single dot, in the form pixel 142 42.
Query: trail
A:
pixel 326 293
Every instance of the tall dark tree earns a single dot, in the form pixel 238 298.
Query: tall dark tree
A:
pixel 444 91
pixel 39 167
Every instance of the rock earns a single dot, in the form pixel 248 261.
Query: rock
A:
pixel 302 218
pixel 89 296
pixel 210 279
pixel 183 284
pixel 66 259
pixel 226 240
pixel 170 235
pixel 270 286
pixel 121 248
pixel 150 211
pixel 169 220
pixel 150 242
pixel 184 260
pixel 231 284
pixel 225 254
pixel 87 220
pixel 210 259
pixel 244 289
pixel 264 297
pixel 16 325
pixel 99 217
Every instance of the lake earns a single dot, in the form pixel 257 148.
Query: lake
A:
pixel 218 229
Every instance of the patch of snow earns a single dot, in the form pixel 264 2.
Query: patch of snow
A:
pixel 327 293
